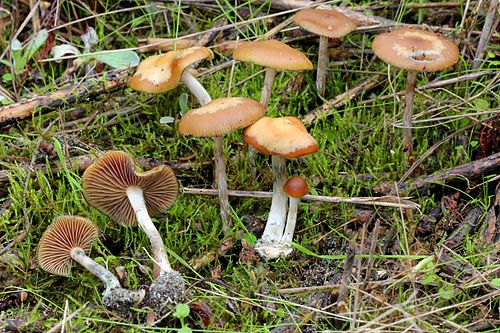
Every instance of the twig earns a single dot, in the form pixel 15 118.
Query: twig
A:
pixel 470 171
pixel 57 328
pixel 387 201
pixel 488 27
pixel 11 113
pixel 329 107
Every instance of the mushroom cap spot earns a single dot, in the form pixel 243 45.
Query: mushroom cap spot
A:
pixel 273 54
pixel 221 116
pixel 296 187
pixel 324 22
pixel 163 72
pixel 105 185
pixel 284 136
pixel 64 234
pixel 415 49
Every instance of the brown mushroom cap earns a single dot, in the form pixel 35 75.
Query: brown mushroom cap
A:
pixel 221 116
pixel 106 181
pixel 296 187
pixel 284 136
pixel 163 72
pixel 63 235
pixel 273 54
pixel 324 22
pixel 415 49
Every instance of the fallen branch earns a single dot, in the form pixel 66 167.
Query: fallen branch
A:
pixel 387 201
pixel 92 86
pixel 329 107
pixel 470 171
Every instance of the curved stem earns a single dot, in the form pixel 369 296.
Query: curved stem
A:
pixel 195 87
pixel 291 221
pixel 101 272
pixel 322 65
pixel 136 197
pixel 277 214
pixel 220 173
pixel 408 113
pixel 267 88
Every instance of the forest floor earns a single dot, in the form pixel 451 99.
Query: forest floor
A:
pixel 357 268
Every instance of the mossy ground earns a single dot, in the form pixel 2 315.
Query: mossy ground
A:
pixel 356 139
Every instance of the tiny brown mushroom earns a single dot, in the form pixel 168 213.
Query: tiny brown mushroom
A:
pixel 416 51
pixel 67 240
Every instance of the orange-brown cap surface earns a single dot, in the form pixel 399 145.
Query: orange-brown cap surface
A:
pixel 63 235
pixel 324 22
pixel 163 72
pixel 221 116
pixel 284 136
pixel 415 49
pixel 106 181
pixel 273 54
pixel 296 187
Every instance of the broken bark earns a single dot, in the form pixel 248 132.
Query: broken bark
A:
pixel 470 171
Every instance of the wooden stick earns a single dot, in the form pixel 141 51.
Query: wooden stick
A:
pixel 470 171
pixel 92 86
pixel 387 201
pixel 329 107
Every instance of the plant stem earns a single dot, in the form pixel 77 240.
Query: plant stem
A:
pixel 322 65
pixel 267 88
pixel 195 87
pixel 220 173
pixel 277 214
pixel 408 113
pixel 291 221
pixel 102 273
pixel 136 197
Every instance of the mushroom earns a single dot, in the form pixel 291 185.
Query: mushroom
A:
pixel 296 187
pixel 327 24
pixel 161 73
pixel 68 239
pixel 416 51
pixel 275 56
pixel 284 137
pixel 113 186
pixel 219 117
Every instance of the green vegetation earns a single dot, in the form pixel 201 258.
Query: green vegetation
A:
pixel 413 278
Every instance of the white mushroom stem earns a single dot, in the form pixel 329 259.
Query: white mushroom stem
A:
pixel 291 221
pixel 322 65
pixel 195 87
pixel 220 169
pixel 136 198
pixel 408 114
pixel 220 173
pixel 277 215
pixel 267 88
pixel 101 272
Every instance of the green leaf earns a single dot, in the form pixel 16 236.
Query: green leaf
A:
pixel 60 51
pixel 481 104
pixel 185 330
pixel 118 59
pixel 495 282
pixel 35 43
pixel 446 292
pixel 181 311
pixel 7 77
pixel 183 103
pixel 166 120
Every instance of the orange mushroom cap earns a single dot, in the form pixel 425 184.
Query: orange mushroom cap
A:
pixel 163 72
pixel 324 22
pixel 221 116
pixel 415 49
pixel 285 136
pixel 296 187
pixel 273 54
pixel 105 185
pixel 63 235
